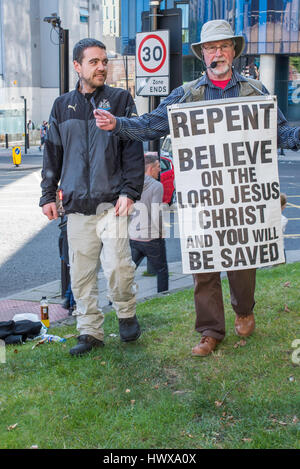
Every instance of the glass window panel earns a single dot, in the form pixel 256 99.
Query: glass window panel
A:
pixel 185 13
pixel 84 15
pixel 294 89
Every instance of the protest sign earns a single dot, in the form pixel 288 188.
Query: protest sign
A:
pixel 226 173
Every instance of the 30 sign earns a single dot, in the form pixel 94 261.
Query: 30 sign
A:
pixel 152 63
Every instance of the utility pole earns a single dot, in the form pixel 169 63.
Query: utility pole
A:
pixel 63 60
pixel 154 145
pixel 25 122
pixel 154 101
pixel 63 35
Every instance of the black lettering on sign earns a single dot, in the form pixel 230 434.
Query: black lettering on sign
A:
pixel 230 117
pixel 193 198
pixel 236 153
pixel 239 258
pixel 200 156
pixel 195 260
pixel 243 256
pixel 225 254
pixel 239 236
pixel 267 108
pixel 179 121
pixel 265 234
pixel 265 151
pixel 251 218
pixel 179 200
pixel 252 153
pixel 250 116
pixel 185 159
pixel 274 253
pixel 199 241
pixel 214 115
pixel 196 122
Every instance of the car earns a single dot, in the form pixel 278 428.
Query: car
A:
pixel 166 147
pixel 167 177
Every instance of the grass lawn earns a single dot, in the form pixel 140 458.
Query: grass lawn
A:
pixel 153 393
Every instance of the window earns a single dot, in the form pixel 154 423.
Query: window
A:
pixel 84 15
pixel 1 51
pixel 294 89
pixel 185 20
pixel 164 165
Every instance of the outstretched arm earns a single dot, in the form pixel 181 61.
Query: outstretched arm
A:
pixel 150 126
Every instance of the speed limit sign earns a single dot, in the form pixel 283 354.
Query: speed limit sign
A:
pixel 152 63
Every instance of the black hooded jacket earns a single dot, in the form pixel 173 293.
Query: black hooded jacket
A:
pixel 92 165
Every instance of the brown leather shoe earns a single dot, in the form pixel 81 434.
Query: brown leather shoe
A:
pixel 244 325
pixel 205 347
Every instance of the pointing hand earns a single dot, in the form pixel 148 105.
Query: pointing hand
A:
pixel 104 119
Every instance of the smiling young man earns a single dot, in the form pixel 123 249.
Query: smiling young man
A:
pixel 217 48
pixel 101 177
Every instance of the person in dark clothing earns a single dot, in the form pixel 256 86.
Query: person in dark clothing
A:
pixel 101 176
pixel 69 301
pixel 146 230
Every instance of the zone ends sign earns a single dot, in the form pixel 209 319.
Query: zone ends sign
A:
pixel 152 63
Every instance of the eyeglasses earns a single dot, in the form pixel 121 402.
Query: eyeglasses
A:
pixel 213 49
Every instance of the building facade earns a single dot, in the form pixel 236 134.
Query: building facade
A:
pixel 271 29
pixel 29 54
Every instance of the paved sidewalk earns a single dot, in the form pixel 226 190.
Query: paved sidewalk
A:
pixel 33 160
pixel 34 150
pixel 28 301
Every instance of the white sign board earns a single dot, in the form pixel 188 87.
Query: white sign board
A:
pixel 152 63
pixel 228 195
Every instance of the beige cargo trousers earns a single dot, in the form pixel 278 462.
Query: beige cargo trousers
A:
pixel 96 240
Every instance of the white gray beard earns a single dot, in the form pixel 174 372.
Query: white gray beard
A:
pixel 218 73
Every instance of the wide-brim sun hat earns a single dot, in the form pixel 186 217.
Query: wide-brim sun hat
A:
pixel 218 30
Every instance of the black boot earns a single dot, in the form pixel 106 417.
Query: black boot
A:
pixel 85 344
pixel 129 329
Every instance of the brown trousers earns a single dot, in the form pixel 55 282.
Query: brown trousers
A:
pixel 210 318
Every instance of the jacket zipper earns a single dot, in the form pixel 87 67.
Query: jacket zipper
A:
pixel 88 147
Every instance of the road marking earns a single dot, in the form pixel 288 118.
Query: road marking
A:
pixel 292 205
pixel 37 175
pixel 292 236
pixel 21 216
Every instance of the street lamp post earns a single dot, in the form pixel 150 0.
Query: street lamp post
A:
pixel 154 145
pixel 25 121
pixel 63 35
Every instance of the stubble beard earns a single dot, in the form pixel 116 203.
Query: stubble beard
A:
pixel 89 83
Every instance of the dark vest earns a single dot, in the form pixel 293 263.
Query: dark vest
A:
pixel 250 87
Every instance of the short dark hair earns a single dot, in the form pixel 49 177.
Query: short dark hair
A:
pixel 150 158
pixel 80 46
pixel 283 199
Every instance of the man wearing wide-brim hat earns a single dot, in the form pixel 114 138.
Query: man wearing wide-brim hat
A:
pixel 218 47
